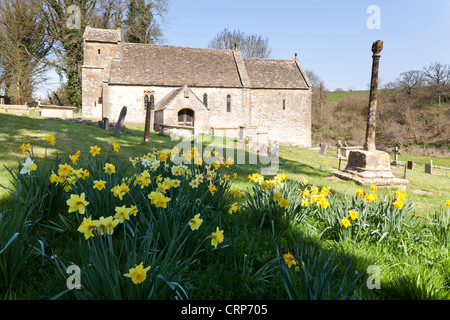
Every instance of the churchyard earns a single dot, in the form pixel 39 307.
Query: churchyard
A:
pixel 132 223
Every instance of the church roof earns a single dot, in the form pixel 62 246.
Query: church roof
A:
pixel 102 35
pixel 275 74
pixel 160 65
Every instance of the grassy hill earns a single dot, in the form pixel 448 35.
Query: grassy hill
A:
pixel 428 192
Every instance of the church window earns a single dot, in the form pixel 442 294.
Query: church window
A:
pixel 98 51
pixel 228 103
pixel 205 100
pixel 186 117
pixel 149 101
pixel 284 104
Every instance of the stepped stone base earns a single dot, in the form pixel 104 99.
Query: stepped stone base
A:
pixel 370 167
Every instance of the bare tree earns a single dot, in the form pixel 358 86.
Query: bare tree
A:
pixel 437 75
pixel 409 80
pixel 251 46
pixel 24 47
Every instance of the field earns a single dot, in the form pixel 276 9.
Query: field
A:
pixel 277 242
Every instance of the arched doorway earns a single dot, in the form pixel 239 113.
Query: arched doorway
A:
pixel 186 117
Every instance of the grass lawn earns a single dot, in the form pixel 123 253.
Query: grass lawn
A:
pixel 427 192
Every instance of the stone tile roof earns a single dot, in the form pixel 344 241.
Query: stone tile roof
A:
pixel 102 35
pixel 158 65
pixel 275 74
pixel 143 64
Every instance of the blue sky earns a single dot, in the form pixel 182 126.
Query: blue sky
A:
pixel 331 37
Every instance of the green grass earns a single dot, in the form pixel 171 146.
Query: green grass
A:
pixel 414 265
pixel 336 96
pixel 428 192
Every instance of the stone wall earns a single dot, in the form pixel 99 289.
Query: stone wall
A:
pixel 289 126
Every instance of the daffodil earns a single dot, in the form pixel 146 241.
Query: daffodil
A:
pixel 122 213
pixel 289 260
pixel 234 207
pixel 195 222
pixel 115 147
pixel 373 188
pixel 305 193
pixel 74 158
pixel 447 203
pixel 138 274
pixel 194 183
pixel 99 184
pixel 345 222
pixel 305 203
pixel 323 202
pixel 217 237
pixel 95 150
pixel 212 188
pixel 87 227
pixel 283 203
pixel 28 166
pixel 353 214
pixel 107 225
pixel 77 203
pixel 277 196
pixel 398 204
pixel 359 192
pixel 24 147
pixel 109 168
pixel 50 139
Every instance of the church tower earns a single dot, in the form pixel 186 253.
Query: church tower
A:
pixel 100 46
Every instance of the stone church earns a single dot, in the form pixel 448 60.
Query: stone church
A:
pixel 194 91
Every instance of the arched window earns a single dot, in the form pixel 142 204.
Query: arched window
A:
pixel 205 100
pixel 186 117
pixel 149 101
pixel 228 103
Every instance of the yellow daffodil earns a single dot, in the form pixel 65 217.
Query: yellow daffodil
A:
pixel 194 183
pixel 138 274
pixel 24 147
pixel 109 168
pixel 75 157
pixel 107 225
pixel 323 202
pixel 359 192
pixel 283 203
pixel 447 203
pixel 305 193
pixel 373 188
pixel 235 192
pixel 314 190
pixel 122 213
pixel 212 188
pixel 217 237
pixel 289 260
pixel 99 184
pixel 370 197
pixel 77 203
pixel 398 204
pixel 195 222
pixel 50 139
pixel 345 222
pixel 277 196
pixel 234 207
pixel 115 147
pixel 305 203
pixel 87 227
pixel 95 150
pixel 353 214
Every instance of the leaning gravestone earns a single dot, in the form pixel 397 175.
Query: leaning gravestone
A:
pixel 323 148
pixel 274 151
pixel 119 124
pixel 263 149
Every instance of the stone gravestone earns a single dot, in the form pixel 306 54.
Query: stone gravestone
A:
pixel 119 124
pixel 274 151
pixel 323 148
pixel 105 124
pixel 429 167
pixel 263 149
pixel 410 165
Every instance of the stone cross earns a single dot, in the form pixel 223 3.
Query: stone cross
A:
pixel 396 153
pixel 119 124
pixel 369 144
